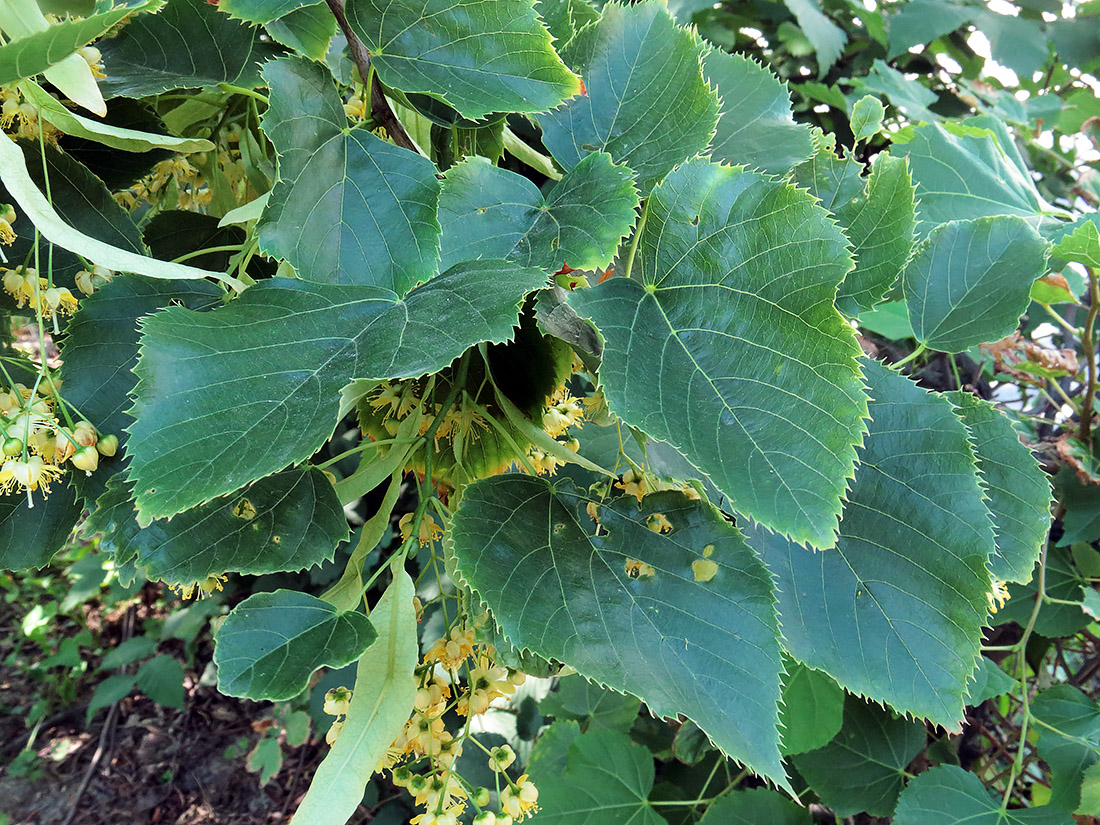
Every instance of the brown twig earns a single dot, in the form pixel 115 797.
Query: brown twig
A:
pixel 380 109
pixel 1088 344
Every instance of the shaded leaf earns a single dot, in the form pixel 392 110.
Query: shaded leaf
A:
pixel 626 608
pixel 1018 490
pixel 263 388
pixel 188 45
pixel 606 781
pixel 288 521
pixel 894 612
pixel 1064 582
pixel 970 281
pixel 489 212
pixel 756 127
pixel 922 21
pixel 577 698
pixel 161 679
pixel 307 30
pixel 863 767
pixel 825 36
pixel 260 11
pixel 641 72
pixel 349 207
pixel 811 710
pixel 950 794
pixel 270 644
pixel 480 56
pixel 989 682
pixel 732 351
pixel 754 807
pixel 1069 741
pixel 30 536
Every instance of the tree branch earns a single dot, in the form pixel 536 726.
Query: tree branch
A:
pixel 380 109
pixel 1088 344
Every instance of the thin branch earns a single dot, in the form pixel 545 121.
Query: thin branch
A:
pixel 380 109
pixel 1088 344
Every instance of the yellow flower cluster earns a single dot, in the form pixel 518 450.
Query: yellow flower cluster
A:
pixel 562 412
pixel 176 175
pixel 398 399
pixel 439 789
pixel 36 445
pixel 19 117
pixel 639 483
pixel 202 588
pixel 428 532
pixel 25 285
pixel 337 702
pixel 998 595
pixel 7 218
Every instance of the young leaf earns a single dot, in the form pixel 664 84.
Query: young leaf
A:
pixel 811 709
pixel 970 281
pixel 1018 489
pixel 270 644
pixel 642 73
pixel 756 127
pixel 287 521
pixel 188 45
pixel 866 119
pixel 380 705
pixel 863 768
pixel 606 781
pixel 349 207
pixel 629 607
pixel 950 794
pixel 262 387
pixel 732 351
pixel 489 212
pixel 915 538
pixel 1081 246
pixel 577 698
pixel 37 52
pixel 480 56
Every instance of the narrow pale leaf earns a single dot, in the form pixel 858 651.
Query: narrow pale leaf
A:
pixel 381 703
pixel 732 351
pixel 270 644
pixel 894 612
pixel 688 631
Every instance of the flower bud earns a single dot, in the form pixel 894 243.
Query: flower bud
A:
pixel 86 459
pixel 13 446
pixel 108 445
pixel 481 797
pixel 485 818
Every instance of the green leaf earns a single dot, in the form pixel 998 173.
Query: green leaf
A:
pixel 970 281
pixel 256 372
pixel 732 351
pixel 641 72
pixel 681 641
pixel 128 140
pixel 577 698
pixel 890 320
pixel 606 781
pixel 128 652
pixel 863 768
pixel 564 18
pixel 913 99
pixel 1018 490
pixel 349 207
pixel 895 611
pixel 552 748
pixel 964 173
pixel 1081 246
pixel 54 227
pixel 489 212
pixel 811 710
pixel 30 536
pixel 261 11
pixel 266 759
pixel 161 679
pixel 100 350
pixel 480 56
pixel 950 794
pixel 989 682
pixel 922 21
pixel 307 30
pixel 381 704
pixel 1064 582
pixel 1069 741
pixel 285 522
pixel 755 127
pixel 825 36
pixel 1082 503
pixel 1090 791
pixel 188 45
pixel 754 807
pixel 35 53
pixel 110 690
pixel 866 118
pixel 877 214
pixel 270 644
pixel 1015 42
